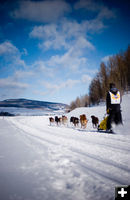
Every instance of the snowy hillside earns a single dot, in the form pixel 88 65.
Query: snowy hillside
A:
pixel 43 162
pixel 29 107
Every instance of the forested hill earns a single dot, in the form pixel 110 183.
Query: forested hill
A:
pixel 26 103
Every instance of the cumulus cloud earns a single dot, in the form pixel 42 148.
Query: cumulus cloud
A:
pixel 11 54
pixel 11 62
pixel 50 34
pixel 69 36
pixel 41 11
pixel 7 48
pixel 70 60
pixel 63 35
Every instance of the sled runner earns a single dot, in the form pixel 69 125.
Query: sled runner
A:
pixel 106 131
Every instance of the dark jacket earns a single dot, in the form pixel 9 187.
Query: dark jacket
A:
pixel 112 107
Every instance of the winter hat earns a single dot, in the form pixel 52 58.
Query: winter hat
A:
pixel 112 85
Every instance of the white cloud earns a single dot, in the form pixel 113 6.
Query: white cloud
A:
pixel 63 35
pixel 14 84
pixel 106 58
pixel 82 43
pixel 106 13
pixel 11 54
pixel 69 36
pixel 41 67
pixel 41 11
pixel 10 83
pixel 11 87
pixel 71 60
pixel 102 11
pixel 94 25
pixel 53 88
pixel 86 78
pixel 90 5
pixel 19 74
pixel 7 48
pixel 47 31
pixel 51 36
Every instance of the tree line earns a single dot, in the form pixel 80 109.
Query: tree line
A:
pixel 117 70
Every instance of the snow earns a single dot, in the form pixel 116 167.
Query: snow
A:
pixel 43 162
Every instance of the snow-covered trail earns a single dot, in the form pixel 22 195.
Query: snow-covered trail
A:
pixel 63 162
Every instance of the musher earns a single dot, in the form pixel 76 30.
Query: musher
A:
pixel 113 101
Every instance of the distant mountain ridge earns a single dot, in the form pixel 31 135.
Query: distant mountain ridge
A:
pixel 32 104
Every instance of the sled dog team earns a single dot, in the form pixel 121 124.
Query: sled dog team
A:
pixel 74 120
pixel 113 111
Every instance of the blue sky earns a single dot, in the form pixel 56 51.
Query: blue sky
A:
pixel 50 50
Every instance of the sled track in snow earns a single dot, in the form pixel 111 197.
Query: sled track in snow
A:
pixel 75 151
pixel 102 174
pixel 96 173
pixel 67 136
pixel 29 135
pixel 103 160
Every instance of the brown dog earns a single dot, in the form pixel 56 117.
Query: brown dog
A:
pixel 83 121
pixel 95 121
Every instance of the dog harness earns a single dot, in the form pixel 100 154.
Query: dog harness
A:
pixel 115 98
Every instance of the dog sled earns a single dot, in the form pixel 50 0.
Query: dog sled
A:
pixel 103 124
pixel 102 127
